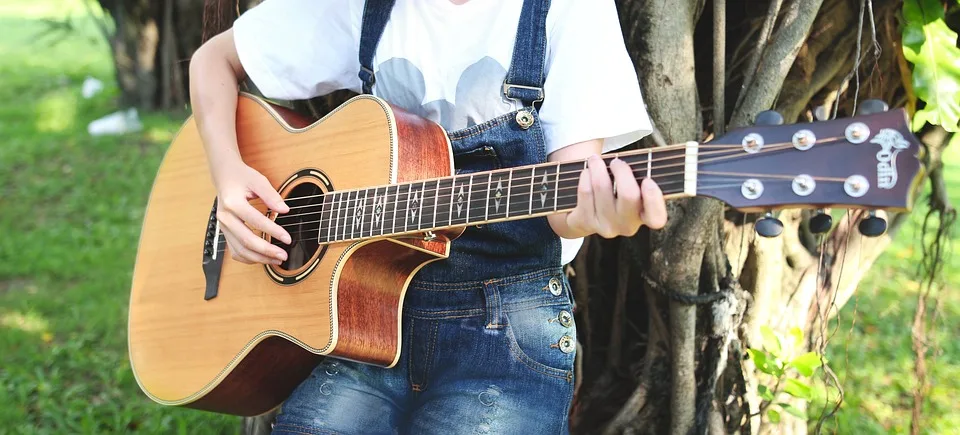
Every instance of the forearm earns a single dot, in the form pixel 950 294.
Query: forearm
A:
pixel 215 73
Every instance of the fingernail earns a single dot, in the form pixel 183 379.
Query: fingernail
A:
pixel 277 262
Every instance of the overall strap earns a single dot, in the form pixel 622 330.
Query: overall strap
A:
pixel 376 13
pixel 524 81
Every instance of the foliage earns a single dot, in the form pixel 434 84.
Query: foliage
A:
pixel 931 46
pixel 781 359
pixel 70 212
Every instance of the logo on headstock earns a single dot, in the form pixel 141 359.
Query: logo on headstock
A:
pixel 892 143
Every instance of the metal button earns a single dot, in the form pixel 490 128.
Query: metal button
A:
pixel 565 318
pixel 555 286
pixel 567 344
pixel 524 119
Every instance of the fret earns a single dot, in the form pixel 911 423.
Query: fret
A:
pixel 499 202
pixel 379 199
pixel 543 188
pixel 366 225
pixel 355 212
pixel 420 213
pixel 403 207
pixel 556 188
pixel 444 210
pixel 342 216
pixel 509 185
pixel 326 213
pixel 429 204
pixel 413 207
pixel 459 200
pixel 390 208
pixel 486 204
pixel 521 191
pixel 567 182
pixel 469 191
pixel 479 191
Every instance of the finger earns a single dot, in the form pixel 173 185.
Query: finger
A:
pixel 602 197
pixel 247 213
pixel 247 240
pixel 654 213
pixel 583 217
pixel 262 188
pixel 244 255
pixel 628 197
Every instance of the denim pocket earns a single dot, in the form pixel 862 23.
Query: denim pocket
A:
pixel 543 336
pixel 482 158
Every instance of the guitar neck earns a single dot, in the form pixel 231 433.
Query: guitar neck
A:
pixel 486 197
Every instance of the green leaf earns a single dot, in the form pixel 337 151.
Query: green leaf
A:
pixel 932 49
pixel 773 415
pixel 797 333
pixel 792 410
pixel 806 363
pixel 765 393
pixel 763 363
pixel 798 389
pixel 770 340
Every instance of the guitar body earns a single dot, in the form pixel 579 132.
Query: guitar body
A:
pixel 244 350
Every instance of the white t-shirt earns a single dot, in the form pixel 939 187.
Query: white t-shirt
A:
pixel 447 62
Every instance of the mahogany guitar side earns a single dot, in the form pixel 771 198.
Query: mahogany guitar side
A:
pixel 243 351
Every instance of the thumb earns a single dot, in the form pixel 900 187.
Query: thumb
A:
pixel 265 191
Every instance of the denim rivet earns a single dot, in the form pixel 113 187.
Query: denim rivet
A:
pixel 567 344
pixel 555 286
pixel 524 119
pixel 325 389
pixel 565 318
pixel 332 370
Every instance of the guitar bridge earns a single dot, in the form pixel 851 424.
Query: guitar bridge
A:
pixel 212 254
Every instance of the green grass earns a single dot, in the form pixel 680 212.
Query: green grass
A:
pixel 70 212
pixel 872 349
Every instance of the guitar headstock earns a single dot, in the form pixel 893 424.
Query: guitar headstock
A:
pixel 868 161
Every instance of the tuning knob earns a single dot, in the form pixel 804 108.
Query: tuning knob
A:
pixel 768 117
pixel 768 226
pixel 872 226
pixel 869 107
pixel 821 223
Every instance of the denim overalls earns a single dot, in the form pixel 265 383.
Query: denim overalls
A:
pixel 489 340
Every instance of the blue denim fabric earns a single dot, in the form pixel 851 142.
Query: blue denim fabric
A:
pixel 488 342
pixel 478 358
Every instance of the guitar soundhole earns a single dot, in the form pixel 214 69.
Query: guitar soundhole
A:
pixel 302 222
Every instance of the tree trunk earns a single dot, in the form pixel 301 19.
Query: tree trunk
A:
pixel 151 43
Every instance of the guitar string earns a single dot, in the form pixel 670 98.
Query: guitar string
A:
pixel 395 202
pixel 638 166
pixel 370 231
pixel 523 196
pixel 735 148
pixel 349 219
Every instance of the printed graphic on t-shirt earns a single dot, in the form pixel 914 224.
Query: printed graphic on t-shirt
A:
pixel 400 82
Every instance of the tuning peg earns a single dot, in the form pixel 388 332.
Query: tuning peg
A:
pixel 768 117
pixel 821 223
pixel 872 226
pixel 869 107
pixel 768 226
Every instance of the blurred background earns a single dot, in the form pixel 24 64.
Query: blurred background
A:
pixel 87 109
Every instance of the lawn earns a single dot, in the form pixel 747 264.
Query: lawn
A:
pixel 70 212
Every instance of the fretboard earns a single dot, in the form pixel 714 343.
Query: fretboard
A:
pixel 485 197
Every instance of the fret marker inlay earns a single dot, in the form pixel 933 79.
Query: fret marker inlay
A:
pixel 460 201
pixel 499 194
pixel 413 206
pixel 543 191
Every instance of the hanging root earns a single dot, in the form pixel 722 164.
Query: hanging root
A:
pixel 930 272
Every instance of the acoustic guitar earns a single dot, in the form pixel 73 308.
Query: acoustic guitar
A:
pixel 374 196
